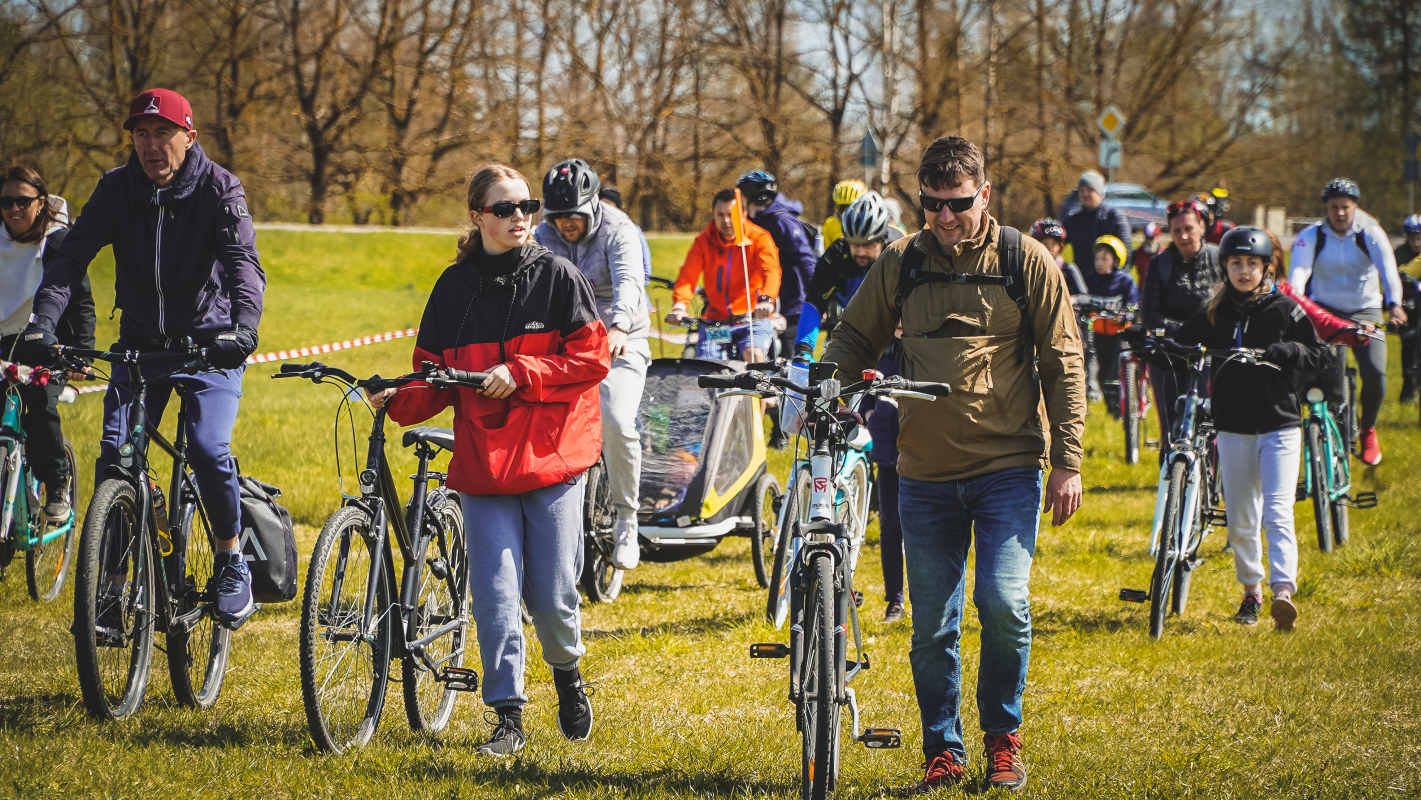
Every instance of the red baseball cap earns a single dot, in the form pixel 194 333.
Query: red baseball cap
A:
pixel 164 103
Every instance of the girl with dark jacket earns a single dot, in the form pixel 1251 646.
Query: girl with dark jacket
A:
pixel 1258 416
pixel 528 318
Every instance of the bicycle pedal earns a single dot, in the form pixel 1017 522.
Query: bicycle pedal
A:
pixel 882 738
pixel 1300 494
pixel 1134 595
pixel 858 599
pixel 1363 500
pixel 769 650
pixel 461 679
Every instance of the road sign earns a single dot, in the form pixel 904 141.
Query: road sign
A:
pixel 868 150
pixel 1413 140
pixel 1410 170
pixel 1110 154
pixel 1111 122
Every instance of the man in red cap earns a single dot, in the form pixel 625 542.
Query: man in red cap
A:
pixel 186 267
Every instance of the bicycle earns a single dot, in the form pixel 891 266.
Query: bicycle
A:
pixel 600 579
pixel 1135 405
pixel 822 582
pixel 121 598
pixel 1327 468
pixel 48 547
pixel 352 627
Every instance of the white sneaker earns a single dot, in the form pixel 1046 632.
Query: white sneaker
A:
pixel 627 553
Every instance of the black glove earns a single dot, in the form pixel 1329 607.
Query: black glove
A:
pixel 1284 354
pixel 36 345
pixel 803 349
pixel 230 350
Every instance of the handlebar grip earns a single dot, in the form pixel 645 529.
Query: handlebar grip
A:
pixel 715 382
pixel 462 376
pixel 934 389
pixel 294 368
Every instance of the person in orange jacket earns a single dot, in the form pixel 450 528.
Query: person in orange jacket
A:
pixel 727 266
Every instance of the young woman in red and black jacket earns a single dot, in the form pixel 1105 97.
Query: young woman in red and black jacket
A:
pixel 512 309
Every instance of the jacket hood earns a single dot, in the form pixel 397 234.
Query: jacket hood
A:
pixel 528 254
pixel 782 204
pixel 195 168
pixel 594 223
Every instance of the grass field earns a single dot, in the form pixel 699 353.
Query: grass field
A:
pixel 1211 711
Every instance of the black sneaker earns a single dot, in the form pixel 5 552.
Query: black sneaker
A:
pixel 574 707
pixel 894 613
pixel 1248 611
pixel 234 589
pixel 507 737
pixel 56 503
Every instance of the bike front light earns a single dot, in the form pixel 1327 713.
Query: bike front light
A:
pixel 1314 395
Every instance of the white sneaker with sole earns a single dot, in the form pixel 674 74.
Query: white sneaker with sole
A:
pixel 627 553
pixel 1284 613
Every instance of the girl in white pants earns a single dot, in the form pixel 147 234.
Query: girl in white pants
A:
pixel 1257 414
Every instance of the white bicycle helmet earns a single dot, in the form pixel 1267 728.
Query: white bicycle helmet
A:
pixel 866 220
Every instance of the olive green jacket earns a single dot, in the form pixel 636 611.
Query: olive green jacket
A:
pixel 967 335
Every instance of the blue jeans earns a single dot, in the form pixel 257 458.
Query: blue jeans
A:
pixel 940 519
pixel 764 334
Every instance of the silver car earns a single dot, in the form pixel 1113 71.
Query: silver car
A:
pixel 1138 204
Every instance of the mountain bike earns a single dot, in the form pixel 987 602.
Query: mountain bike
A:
pixel 1327 467
pixel 822 574
pixel 48 546
pixel 601 580
pixel 1135 403
pixel 142 569
pixel 353 626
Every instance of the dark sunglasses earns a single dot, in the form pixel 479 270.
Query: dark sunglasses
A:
pixel 505 209
pixel 933 205
pixel 22 203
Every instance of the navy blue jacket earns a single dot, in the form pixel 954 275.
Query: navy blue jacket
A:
pixel 1114 284
pixel 186 254
pixel 883 422
pixel 1084 226
pixel 797 256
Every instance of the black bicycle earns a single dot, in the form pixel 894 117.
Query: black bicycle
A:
pixel 352 626
pixel 600 579
pixel 141 569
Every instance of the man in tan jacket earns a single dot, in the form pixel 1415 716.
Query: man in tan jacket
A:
pixel 971 464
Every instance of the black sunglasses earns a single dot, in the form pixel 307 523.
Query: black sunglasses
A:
pixel 22 203
pixel 505 209
pixel 932 205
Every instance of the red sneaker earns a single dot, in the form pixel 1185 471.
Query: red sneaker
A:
pixel 1371 448
pixel 1005 769
pixel 941 770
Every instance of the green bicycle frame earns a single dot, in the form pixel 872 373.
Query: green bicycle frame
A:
pixel 17 500
pixel 1331 447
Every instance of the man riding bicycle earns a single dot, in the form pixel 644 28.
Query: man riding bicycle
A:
pixel 1348 268
pixel 742 279
pixel 841 269
pixel 186 265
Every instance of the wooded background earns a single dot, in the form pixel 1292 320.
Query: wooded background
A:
pixel 374 111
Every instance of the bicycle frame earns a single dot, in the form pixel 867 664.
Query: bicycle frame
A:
pixel 1142 385
pixel 1189 442
pixel 1332 447
pixel 17 474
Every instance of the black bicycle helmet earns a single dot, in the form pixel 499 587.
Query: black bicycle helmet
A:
pixel 1048 228
pixel 570 188
pixel 1246 242
pixel 1341 187
pixel 757 187
pixel 865 220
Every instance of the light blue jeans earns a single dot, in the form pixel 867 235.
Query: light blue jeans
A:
pixel 940 520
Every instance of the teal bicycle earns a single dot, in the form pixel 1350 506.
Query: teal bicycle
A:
pixel 48 546
pixel 1328 434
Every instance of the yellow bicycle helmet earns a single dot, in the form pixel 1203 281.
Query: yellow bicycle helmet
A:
pixel 846 192
pixel 1115 244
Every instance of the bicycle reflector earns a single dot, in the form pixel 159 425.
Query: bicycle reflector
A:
pixel 870 374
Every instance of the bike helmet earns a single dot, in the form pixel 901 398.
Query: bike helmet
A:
pixel 1210 206
pixel 1341 187
pixel 1411 224
pixel 1246 242
pixel 1117 246
pixel 757 187
pixel 1048 227
pixel 570 188
pixel 1222 195
pixel 1151 230
pixel 846 192
pixel 895 210
pixel 865 220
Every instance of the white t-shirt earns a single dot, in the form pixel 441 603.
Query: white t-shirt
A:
pixel 1343 277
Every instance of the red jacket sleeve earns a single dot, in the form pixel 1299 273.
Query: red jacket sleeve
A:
pixel 1330 328
pixel 417 402
pixel 581 361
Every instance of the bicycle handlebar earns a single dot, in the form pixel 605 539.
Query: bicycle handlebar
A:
pixel 751 381
pixel 438 378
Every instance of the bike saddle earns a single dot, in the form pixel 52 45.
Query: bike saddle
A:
pixel 439 437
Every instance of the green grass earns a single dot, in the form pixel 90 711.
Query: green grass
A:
pixel 1212 711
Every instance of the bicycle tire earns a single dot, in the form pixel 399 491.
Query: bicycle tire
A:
pixel 1166 554
pixel 601 580
pixel 762 539
pixel 197 659
pixel 362 696
pixel 428 704
pixel 856 500
pixel 1130 411
pixel 821 703
pixel 44 573
pixel 1318 485
pixel 114 670
pixel 796 508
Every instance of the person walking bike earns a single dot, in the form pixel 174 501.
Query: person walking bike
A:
pixel 604 245
pixel 970 472
pixel 1348 269
pixel 186 266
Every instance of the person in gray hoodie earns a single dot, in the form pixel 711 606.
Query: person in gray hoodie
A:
pixel 603 243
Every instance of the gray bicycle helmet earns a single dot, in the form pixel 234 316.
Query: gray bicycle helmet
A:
pixel 1341 187
pixel 570 188
pixel 865 220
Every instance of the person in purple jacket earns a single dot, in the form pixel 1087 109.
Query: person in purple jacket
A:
pixel 186 265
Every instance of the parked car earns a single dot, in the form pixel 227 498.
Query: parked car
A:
pixel 1138 204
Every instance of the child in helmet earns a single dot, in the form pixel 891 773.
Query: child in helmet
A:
pixel 1113 286
pixel 1050 232
pixel 1146 251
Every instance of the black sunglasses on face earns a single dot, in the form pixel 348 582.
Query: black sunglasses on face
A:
pixel 22 203
pixel 933 205
pixel 505 209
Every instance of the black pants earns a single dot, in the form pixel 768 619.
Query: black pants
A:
pixel 44 439
pixel 1107 365
pixel 1371 367
pixel 1167 384
pixel 890 533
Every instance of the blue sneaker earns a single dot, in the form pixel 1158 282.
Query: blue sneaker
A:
pixel 234 589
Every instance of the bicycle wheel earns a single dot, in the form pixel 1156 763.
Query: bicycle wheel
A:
pixel 1318 483
pixel 1130 410
pixel 762 540
pixel 853 511
pixel 820 707
pixel 443 598
pixel 1167 553
pixel 344 669
pixel 197 659
pixel 113 589
pixel 601 580
pixel 46 565
pixel 796 509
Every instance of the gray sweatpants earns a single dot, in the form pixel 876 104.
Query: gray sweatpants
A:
pixel 529 547
pixel 1260 477
pixel 621 442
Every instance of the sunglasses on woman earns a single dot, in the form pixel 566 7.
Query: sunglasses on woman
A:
pixel 933 205
pixel 505 209
pixel 22 203
pixel 1184 207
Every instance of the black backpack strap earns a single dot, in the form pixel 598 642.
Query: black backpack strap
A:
pixel 1011 261
pixel 1318 245
pixel 909 271
pixel 1362 244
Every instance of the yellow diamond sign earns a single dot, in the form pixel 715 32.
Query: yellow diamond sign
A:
pixel 1111 122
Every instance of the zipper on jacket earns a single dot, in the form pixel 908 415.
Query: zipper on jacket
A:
pixel 158 265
